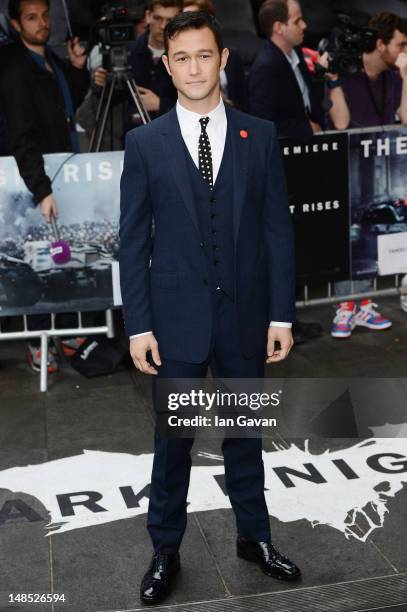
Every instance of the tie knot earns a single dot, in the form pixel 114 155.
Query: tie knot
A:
pixel 204 122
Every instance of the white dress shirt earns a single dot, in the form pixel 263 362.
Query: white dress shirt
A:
pixel 216 130
pixel 294 62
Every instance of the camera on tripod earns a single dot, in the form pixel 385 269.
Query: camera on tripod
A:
pixel 346 45
pixel 115 30
pixel 113 34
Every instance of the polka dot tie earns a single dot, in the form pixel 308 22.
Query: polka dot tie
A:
pixel 205 153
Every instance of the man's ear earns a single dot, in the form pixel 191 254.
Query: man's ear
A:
pixel 277 28
pixel 148 16
pixel 15 25
pixel 166 63
pixel 380 46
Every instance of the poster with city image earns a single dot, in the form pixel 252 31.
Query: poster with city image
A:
pixel 86 189
pixel 378 194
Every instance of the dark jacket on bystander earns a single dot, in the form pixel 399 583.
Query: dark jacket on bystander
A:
pixel 37 120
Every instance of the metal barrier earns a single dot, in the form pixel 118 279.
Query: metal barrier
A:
pixel 334 299
pixel 53 332
pixel 108 328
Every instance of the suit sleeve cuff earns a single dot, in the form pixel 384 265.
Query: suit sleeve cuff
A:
pixel 280 324
pixel 138 335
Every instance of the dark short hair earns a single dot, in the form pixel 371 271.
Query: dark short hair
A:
pixel 386 24
pixel 151 4
pixel 270 12
pixel 193 20
pixel 14 8
pixel 204 5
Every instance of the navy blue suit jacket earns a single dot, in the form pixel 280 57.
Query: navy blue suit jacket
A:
pixel 274 93
pixel 172 297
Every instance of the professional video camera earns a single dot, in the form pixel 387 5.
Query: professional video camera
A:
pixel 115 30
pixel 115 27
pixel 346 45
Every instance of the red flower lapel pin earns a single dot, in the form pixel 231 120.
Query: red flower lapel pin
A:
pixel 244 134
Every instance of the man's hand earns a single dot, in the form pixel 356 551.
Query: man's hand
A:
pixel 150 100
pixel 77 54
pixel 100 77
pixel 49 208
pixel 323 60
pixel 139 348
pixel 284 336
pixel 401 64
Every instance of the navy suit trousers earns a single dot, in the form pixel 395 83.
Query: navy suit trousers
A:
pixel 244 470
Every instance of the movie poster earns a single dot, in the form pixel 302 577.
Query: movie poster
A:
pixel 86 189
pixel 378 193
pixel 317 177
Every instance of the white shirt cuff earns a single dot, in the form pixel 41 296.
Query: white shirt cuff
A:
pixel 280 324
pixel 138 335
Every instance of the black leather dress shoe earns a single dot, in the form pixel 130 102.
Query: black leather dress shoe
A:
pixel 156 584
pixel 270 560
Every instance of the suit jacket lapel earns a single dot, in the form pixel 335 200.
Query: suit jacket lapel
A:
pixel 288 70
pixel 304 71
pixel 174 148
pixel 240 141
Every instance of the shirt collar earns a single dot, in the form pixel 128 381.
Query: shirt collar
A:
pixel 189 120
pixel 293 58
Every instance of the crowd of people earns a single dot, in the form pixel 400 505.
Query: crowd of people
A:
pixel 102 233
pixel 43 99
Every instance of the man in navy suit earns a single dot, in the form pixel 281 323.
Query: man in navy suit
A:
pixel 280 86
pixel 216 286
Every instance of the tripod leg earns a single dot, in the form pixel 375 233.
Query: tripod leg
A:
pixel 131 84
pixel 106 114
pixel 97 119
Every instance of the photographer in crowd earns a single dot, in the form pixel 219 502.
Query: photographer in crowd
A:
pixel 154 84
pixel 378 94
pixel 39 94
pixel 280 85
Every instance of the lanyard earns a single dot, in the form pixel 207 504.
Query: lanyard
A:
pixel 380 110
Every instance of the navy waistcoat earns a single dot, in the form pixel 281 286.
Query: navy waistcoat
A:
pixel 215 216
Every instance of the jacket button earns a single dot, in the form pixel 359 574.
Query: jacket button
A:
pixel 201 244
pixel 205 281
pixel 213 200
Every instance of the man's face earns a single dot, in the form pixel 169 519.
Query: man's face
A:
pixel 390 52
pixel 157 19
pixel 293 30
pixel 34 24
pixel 194 63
